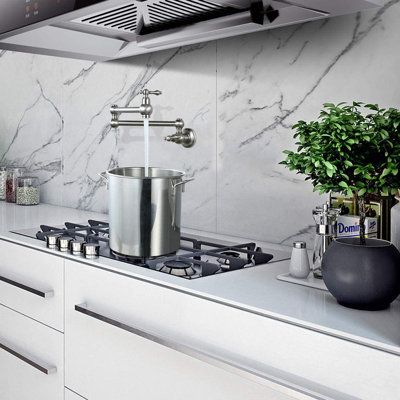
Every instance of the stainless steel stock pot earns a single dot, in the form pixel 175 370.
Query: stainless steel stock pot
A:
pixel 144 211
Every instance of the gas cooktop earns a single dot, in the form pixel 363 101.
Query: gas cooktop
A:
pixel 195 258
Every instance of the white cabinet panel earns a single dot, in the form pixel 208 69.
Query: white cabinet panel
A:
pixel 309 359
pixel 102 358
pixel 31 359
pixel 32 283
pixel 110 362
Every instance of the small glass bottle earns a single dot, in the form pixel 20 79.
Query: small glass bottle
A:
pixel 28 191
pixel 326 229
pixel 13 173
pixel 3 179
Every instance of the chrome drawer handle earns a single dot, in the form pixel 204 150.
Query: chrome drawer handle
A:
pixel 40 293
pixel 48 370
pixel 220 362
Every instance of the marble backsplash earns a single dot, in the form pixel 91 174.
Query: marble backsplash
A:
pixel 241 95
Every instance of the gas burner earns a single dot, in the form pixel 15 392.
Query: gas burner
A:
pixel 225 261
pixel 127 259
pixel 231 260
pixel 178 268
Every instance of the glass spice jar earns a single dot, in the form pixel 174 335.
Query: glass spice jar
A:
pixel 28 192
pixel 3 179
pixel 13 173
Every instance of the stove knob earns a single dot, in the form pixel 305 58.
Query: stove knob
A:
pixel 76 247
pixel 63 243
pixel 51 241
pixel 91 250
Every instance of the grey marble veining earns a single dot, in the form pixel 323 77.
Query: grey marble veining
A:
pixel 241 95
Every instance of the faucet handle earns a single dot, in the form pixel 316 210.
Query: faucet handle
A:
pixel 147 92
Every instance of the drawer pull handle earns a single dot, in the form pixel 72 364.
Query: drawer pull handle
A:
pixel 48 370
pixel 211 359
pixel 40 293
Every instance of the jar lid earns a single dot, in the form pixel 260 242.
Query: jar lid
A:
pixel 27 181
pixel 25 177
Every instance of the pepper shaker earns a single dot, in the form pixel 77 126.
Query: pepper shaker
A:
pixel 299 262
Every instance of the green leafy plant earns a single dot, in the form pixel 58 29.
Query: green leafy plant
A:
pixel 352 149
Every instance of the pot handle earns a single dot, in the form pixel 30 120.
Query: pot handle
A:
pixel 104 175
pixel 174 186
pixel 184 182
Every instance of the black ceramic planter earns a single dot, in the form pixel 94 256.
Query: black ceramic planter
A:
pixel 362 277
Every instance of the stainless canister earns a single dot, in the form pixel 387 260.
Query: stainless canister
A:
pixel 144 212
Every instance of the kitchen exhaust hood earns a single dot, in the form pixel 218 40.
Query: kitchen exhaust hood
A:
pixel 101 30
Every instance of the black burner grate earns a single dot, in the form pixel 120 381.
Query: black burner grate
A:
pixel 205 258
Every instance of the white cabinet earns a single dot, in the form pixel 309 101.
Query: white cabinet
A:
pixel 32 283
pixel 31 359
pixel 113 363
pixel 106 348
pixel 109 353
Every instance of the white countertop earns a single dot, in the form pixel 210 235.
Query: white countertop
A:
pixel 253 289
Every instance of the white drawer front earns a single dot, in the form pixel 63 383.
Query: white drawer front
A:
pixel 105 362
pixel 31 359
pixel 305 358
pixel 31 282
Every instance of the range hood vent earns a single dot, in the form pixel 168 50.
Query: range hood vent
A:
pixel 100 30
pixel 169 14
pixel 121 18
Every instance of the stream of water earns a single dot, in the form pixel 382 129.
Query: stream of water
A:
pixel 146 133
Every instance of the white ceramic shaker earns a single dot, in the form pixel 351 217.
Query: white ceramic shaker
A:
pixel 299 262
pixel 395 224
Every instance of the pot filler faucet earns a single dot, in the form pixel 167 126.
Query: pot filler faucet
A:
pixel 184 136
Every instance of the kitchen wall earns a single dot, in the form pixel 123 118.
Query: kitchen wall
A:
pixel 241 95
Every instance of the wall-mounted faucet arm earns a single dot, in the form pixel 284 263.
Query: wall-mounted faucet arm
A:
pixel 145 109
pixel 186 137
pixel 122 110
pixel 178 123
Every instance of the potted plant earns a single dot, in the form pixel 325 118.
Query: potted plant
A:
pixel 354 149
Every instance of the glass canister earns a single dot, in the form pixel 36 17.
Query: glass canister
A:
pixel 13 173
pixel 3 179
pixel 28 191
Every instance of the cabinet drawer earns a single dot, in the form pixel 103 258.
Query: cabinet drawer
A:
pixel 110 354
pixel 105 362
pixel 259 344
pixel 31 282
pixel 31 359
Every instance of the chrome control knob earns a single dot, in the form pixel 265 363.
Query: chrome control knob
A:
pixel 76 247
pixel 51 240
pixel 63 243
pixel 91 250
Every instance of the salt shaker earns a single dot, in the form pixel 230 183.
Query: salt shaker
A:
pixel 299 262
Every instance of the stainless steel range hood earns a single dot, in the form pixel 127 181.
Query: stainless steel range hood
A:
pixel 102 30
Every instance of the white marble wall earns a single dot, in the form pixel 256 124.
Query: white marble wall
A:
pixel 241 95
